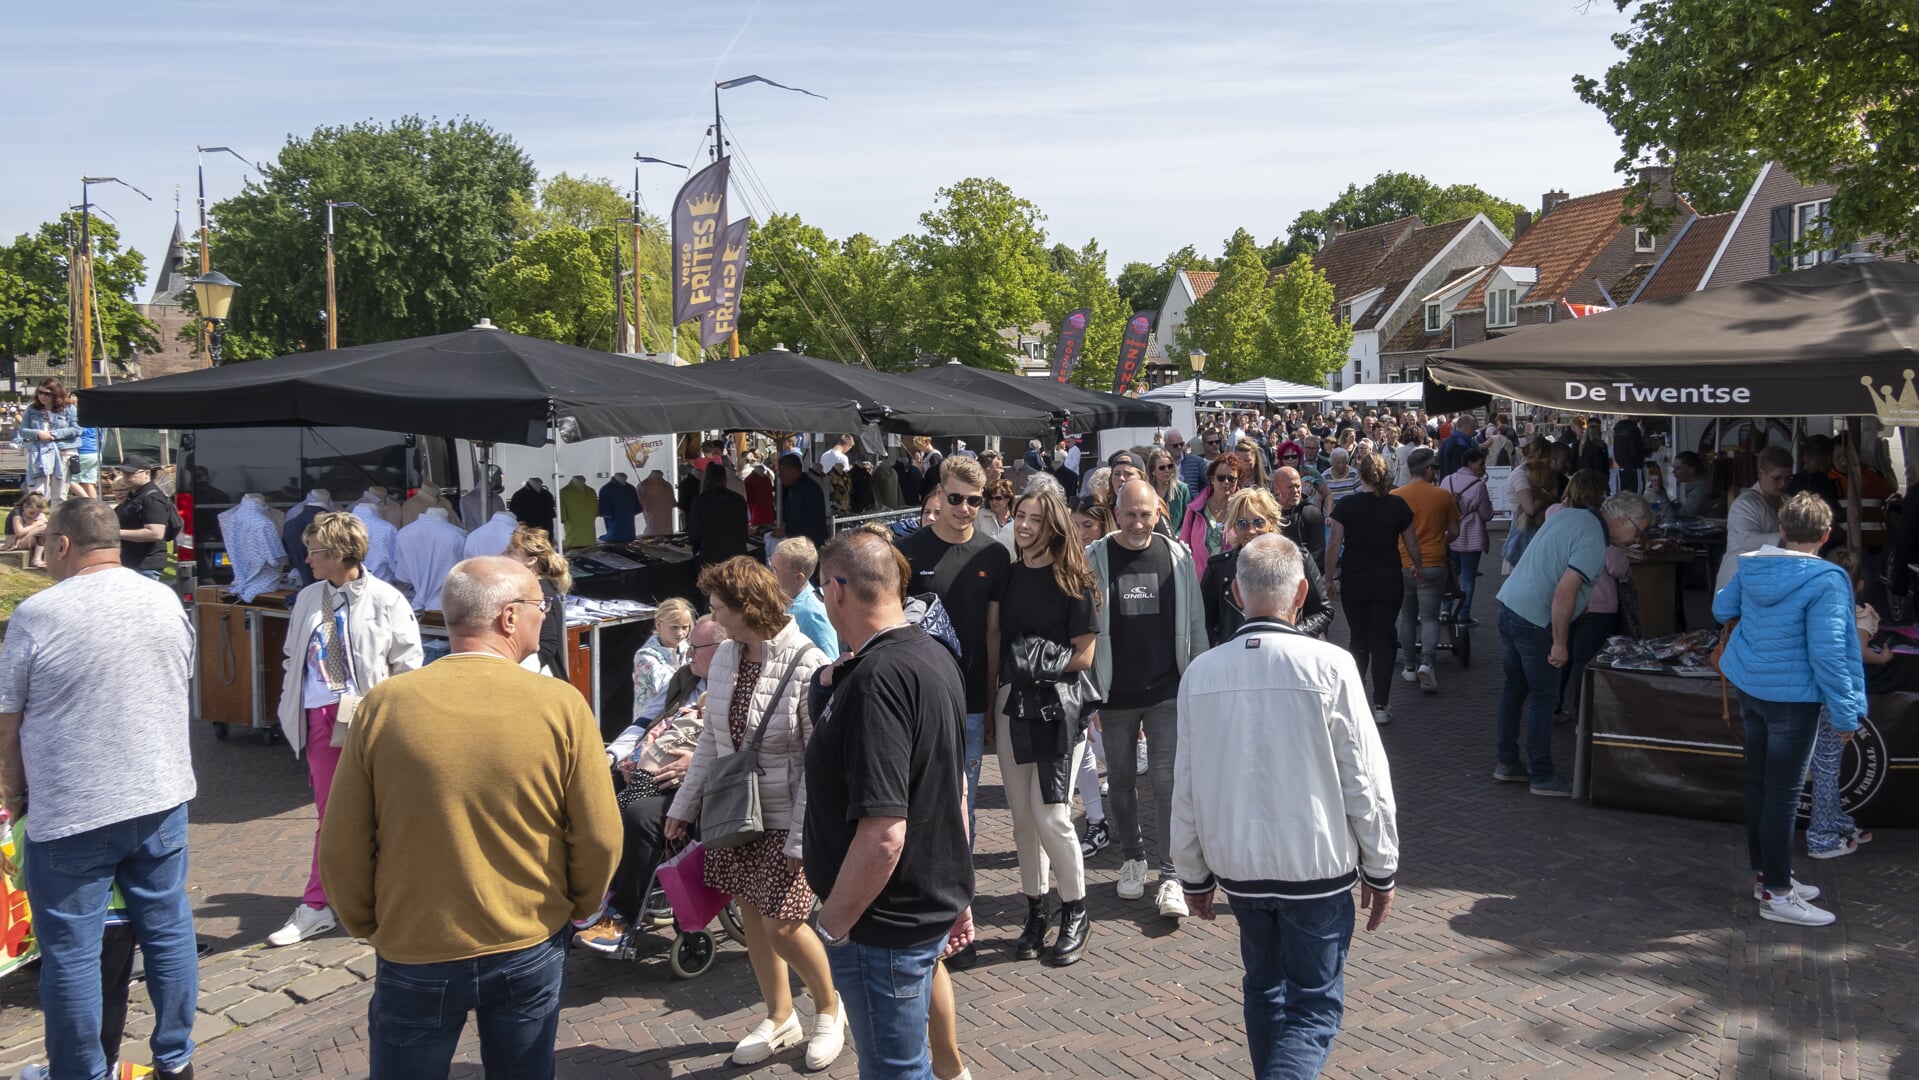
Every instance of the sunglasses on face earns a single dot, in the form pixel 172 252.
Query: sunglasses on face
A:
pixel 1212 442
pixel 1226 481
pixel 1175 446
pixel 956 499
pixel 1164 466
pixel 1251 523
pixel 996 498
pixel 1289 457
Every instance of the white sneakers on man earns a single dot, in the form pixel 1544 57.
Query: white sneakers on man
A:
pixel 1792 908
pixel 306 923
pixel 829 1036
pixel 767 1039
pixel 1132 879
pixel 1171 899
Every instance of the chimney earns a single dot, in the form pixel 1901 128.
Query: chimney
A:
pixel 1550 200
pixel 1334 229
pixel 1522 220
pixel 1658 181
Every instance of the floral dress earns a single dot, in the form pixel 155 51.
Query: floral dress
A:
pixel 756 873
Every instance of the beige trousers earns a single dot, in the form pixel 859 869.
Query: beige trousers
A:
pixel 1042 831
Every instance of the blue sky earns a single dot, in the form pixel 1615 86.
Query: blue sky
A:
pixel 1147 126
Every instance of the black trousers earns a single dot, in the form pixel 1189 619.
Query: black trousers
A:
pixel 1371 599
pixel 642 841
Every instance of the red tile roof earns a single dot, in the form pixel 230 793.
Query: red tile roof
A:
pixel 1561 246
pixel 1398 269
pixel 1350 260
pixel 1202 281
pixel 1685 264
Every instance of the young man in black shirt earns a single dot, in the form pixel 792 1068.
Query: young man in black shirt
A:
pixel 1151 623
pixel 886 750
pixel 144 513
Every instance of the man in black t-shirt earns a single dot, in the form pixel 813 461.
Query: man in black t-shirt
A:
pixel 886 750
pixel 963 566
pixel 1151 623
pixel 144 513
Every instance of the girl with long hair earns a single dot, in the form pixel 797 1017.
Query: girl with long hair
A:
pixel 534 548
pixel 1048 593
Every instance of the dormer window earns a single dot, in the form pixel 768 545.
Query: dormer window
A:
pixel 1502 307
pixel 1432 318
pixel 1812 220
pixel 1642 240
pixel 1346 314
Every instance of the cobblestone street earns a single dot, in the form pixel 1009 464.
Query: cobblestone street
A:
pixel 1531 937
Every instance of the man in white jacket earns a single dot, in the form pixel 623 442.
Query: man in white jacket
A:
pixel 1274 732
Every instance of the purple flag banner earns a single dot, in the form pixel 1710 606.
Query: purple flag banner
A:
pixel 699 217
pixel 1132 351
pixel 1072 338
pixel 718 324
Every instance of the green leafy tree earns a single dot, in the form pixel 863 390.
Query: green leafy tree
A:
pixel 981 264
pixel 1145 285
pixel 34 310
pixel 582 202
pixel 1825 89
pixel 557 286
pixel 1230 321
pixel 848 300
pixel 444 197
pixel 1083 284
pixel 1304 341
pixel 1389 197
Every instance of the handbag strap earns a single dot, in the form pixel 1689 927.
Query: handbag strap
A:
pixel 759 733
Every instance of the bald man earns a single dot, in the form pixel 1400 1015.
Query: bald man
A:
pixel 1151 624
pixel 472 817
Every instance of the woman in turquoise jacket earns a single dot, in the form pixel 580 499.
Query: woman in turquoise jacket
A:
pixel 1793 650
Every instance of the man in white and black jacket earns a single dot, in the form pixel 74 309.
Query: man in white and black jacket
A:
pixel 1274 729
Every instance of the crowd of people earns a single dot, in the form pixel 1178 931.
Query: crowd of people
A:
pixel 1158 617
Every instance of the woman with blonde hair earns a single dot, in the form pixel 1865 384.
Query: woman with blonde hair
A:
pixel 664 652
pixel 1048 597
pixel 759 676
pixel 1255 512
pixel 348 632
pixel 534 548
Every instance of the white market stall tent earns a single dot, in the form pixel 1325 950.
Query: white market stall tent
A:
pixel 1408 393
pixel 1270 391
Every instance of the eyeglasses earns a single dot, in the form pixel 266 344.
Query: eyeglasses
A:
pixel 954 498
pixel 1176 446
pixel 708 645
pixel 1226 481
pixel 542 603
pixel 1289 457
pixel 1164 466
pixel 997 498
pixel 1251 523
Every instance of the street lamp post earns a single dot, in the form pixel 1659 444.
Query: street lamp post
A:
pixel 1198 359
pixel 85 352
pixel 213 294
pixel 332 307
pixel 206 341
pixel 639 230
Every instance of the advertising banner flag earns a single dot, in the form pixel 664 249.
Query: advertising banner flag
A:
pixel 699 217
pixel 1132 351
pixel 1072 337
pixel 719 323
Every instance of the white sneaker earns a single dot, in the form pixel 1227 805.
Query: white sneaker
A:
pixel 767 1039
pixel 1408 674
pixel 829 1036
pixel 1807 893
pixel 306 923
pixel 1791 909
pixel 1171 899
pixel 1427 680
pixel 1132 879
pixel 1382 716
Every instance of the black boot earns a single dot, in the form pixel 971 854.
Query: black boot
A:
pixel 1073 931
pixel 1033 938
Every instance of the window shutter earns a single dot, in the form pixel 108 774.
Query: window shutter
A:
pixel 1781 238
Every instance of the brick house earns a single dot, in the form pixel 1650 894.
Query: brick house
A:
pixel 1779 210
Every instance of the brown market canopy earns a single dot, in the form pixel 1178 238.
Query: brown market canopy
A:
pixel 1836 340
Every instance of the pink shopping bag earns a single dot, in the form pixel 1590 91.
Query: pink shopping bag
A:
pixel 683 878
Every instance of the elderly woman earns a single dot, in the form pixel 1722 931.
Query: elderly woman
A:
pixel 663 653
pixel 759 677
pixel 1793 650
pixel 348 632
pixel 1252 512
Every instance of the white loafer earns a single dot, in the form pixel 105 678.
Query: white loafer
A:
pixel 767 1039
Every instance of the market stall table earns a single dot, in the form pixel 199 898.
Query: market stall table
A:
pixel 1655 578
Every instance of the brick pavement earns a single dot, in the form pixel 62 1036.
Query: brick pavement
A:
pixel 1532 937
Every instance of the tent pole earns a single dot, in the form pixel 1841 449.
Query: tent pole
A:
pixel 553 429
pixel 1854 527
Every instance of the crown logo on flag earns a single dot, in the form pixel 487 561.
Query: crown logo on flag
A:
pixel 1899 411
pixel 702 205
pixel 732 252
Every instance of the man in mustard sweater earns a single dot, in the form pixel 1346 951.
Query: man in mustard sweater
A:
pixel 472 817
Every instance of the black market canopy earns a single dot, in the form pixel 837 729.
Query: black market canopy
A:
pixel 896 404
pixel 1836 340
pixel 1087 410
pixel 482 384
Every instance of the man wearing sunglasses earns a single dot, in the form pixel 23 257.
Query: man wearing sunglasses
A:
pixel 962 565
pixel 1191 467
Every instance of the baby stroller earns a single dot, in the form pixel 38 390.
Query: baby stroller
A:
pixel 1455 635
pixel 691 953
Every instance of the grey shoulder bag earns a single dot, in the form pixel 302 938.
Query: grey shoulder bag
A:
pixel 730 807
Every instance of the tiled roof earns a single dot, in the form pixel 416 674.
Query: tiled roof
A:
pixel 1561 245
pixel 1351 261
pixel 1629 281
pixel 1202 281
pixel 1685 263
pixel 1400 266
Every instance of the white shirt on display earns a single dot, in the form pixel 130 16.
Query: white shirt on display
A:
pixel 428 548
pixel 493 537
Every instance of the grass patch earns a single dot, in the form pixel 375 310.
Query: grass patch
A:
pixel 15 586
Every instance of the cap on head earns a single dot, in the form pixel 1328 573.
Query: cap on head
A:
pixel 1125 457
pixel 138 463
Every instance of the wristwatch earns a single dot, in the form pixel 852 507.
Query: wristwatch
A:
pixel 826 937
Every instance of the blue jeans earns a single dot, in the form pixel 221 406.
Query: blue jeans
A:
pixel 418 1011
pixel 1295 957
pixel 975 750
pixel 1468 579
pixel 886 993
pixel 69 882
pixel 1779 736
pixel 1531 682
pixel 1830 826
